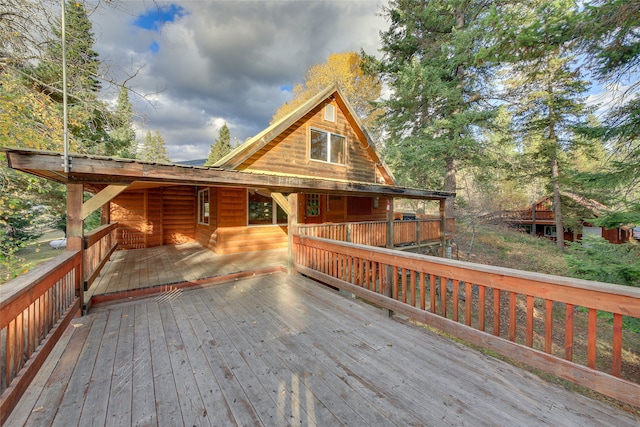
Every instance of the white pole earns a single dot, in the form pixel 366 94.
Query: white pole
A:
pixel 64 93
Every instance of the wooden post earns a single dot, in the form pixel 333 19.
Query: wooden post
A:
pixel 75 232
pixel 443 228
pixel 292 225
pixel 386 284
pixel 105 214
pixel 418 238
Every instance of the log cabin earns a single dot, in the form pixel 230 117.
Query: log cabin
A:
pixel 275 349
pixel 539 220
pixel 322 139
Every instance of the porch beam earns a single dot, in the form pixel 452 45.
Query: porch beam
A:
pixel 281 201
pixel 103 170
pixel 104 196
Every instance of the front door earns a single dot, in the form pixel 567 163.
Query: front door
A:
pixel 313 208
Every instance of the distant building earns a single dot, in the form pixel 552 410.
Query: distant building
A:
pixel 539 219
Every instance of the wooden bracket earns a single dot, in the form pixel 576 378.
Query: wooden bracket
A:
pixel 282 202
pixel 104 196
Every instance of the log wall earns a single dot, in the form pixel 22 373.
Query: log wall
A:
pixel 254 238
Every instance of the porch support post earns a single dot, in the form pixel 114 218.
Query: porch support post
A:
pixel 75 232
pixel 388 280
pixel 443 228
pixel 292 223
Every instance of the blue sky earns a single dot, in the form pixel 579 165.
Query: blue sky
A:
pixel 154 19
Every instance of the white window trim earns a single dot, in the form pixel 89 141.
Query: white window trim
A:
pixel 329 133
pixel 200 219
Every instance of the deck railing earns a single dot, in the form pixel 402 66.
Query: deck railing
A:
pixel 374 233
pixel 99 244
pixel 35 309
pixel 529 317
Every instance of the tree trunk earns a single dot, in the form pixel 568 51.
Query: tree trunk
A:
pixel 450 185
pixel 557 204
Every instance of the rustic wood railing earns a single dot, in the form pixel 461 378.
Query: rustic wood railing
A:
pixel 374 233
pixel 529 317
pixel 99 244
pixel 35 309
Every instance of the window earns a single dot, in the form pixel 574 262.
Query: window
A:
pixel 330 113
pixel 203 207
pixel 359 205
pixel 262 208
pixel 313 205
pixel 550 230
pixel 328 147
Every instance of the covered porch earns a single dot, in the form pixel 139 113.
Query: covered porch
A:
pixel 281 350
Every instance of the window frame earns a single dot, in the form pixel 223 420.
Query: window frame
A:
pixel 204 207
pixel 329 146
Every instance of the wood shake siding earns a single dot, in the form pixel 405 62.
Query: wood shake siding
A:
pixel 289 152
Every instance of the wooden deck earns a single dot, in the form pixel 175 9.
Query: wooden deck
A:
pixel 281 350
pixel 145 269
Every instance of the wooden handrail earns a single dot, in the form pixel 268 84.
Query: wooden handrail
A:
pixel 464 298
pixel 99 245
pixel 373 233
pixel 35 309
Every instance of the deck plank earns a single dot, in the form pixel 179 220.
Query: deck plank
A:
pixel 276 350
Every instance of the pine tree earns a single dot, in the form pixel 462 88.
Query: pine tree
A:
pixel 544 87
pixel 437 85
pixel 88 116
pixel 608 32
pixel 221 147
pixel 153 149
pixel 123 136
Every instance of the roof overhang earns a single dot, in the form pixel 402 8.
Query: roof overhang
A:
pixel 97 171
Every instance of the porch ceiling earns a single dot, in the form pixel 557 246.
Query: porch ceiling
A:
pixel 95 171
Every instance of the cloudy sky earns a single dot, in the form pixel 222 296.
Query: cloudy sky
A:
pixel 200 64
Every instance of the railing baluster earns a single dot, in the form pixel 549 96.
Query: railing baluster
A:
pixel 423 293
pixel 468 303
pixel 443 296
pixel 529 334
pixel 548 326
pixel 404 285
pixel 496 312
pixel 412 287
pixel 482 307
pixel 455 298
pixel 568 332
pixel 591 338
pixel 617 345
pixel 513 307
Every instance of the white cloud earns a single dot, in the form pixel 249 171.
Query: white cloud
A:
pixel 225 60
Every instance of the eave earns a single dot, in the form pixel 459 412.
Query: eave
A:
pixel 96 171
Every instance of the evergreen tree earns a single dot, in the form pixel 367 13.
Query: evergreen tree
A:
pixel 544 87
pixel 221 147
pixel 609 34
pixel 153 149
pixel 438 84
pixel 88 116
pixel 123 136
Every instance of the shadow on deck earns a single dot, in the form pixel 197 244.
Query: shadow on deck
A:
pixel 139 272
pixel 281 350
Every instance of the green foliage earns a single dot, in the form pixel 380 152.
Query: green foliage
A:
pixel 153 149
pixel 123 136
pixel 439 86
pixel 221 147
pixel 16 231
pixel 594 258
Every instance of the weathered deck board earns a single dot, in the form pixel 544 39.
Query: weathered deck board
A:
pixel 281 350
pixel 146 268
